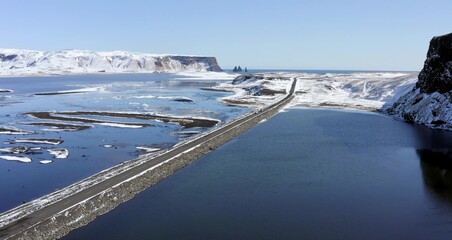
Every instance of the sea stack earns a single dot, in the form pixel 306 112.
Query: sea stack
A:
pixel 430 101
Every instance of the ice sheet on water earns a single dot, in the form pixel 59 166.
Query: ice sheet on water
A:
pixel 39 141
pixel 45 161
pixel 16 158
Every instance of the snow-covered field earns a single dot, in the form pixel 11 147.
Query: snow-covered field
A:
pixel 361 90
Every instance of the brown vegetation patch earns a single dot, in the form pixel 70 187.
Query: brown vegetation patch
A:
pixel 58 93
pixel 61 126
pixel 272 92
pixel 50 116
pixel 185 122
pixel 231 102
pixel 215 89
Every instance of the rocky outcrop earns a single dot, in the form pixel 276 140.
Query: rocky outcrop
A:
pixel 27 62
pixel 210 63
pixel 436 76
pixel 430 101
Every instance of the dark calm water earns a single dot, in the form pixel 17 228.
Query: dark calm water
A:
pixel 142 93
pixel 304 174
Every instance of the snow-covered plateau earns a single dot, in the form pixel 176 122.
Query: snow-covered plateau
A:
pixel 17 62
pixel 359 90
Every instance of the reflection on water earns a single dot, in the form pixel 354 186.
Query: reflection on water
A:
pixel 303 174
pixel 436 168
pixel 434 150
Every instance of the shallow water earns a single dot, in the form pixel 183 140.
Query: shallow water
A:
pixel 304 174
pixel 143 93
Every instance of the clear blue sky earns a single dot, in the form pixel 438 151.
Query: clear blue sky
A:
pixel 284 34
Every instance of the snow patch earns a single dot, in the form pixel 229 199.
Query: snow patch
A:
pixel 40 141
pixel 14 149
pixel 119 125
pixel 8 130
pixel 16 158
pixel 59 152
pixel 433 110
pixel 148 149
pixel 45 161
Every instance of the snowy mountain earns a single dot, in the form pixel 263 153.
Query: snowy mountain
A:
pixel 430 101
pixel 28 62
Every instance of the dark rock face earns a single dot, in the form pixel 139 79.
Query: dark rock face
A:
pixel 430 102
pixel 436 76
pixel 4 57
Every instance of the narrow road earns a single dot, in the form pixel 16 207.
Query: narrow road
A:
pixel 15 228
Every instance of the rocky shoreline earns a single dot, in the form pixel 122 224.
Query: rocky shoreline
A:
pixel 430 101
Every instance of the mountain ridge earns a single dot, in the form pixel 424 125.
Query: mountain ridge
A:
pixel 32 62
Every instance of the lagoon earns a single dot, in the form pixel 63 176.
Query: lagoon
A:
pixel 303 174
pixel 95 147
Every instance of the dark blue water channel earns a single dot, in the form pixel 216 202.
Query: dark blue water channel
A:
pixel 304 174
pixel 99 147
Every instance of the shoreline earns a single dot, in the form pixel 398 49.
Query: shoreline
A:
pixel 188 74
pixel 193 74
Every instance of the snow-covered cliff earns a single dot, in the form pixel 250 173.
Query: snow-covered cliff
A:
pixel 28 62
pixel 430 101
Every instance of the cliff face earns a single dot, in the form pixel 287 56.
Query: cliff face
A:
pixel 436 76
pixel 210 63
pixel 430 101
pixel 26 62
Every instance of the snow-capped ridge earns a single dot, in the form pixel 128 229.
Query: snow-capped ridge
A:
pixel 30 62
